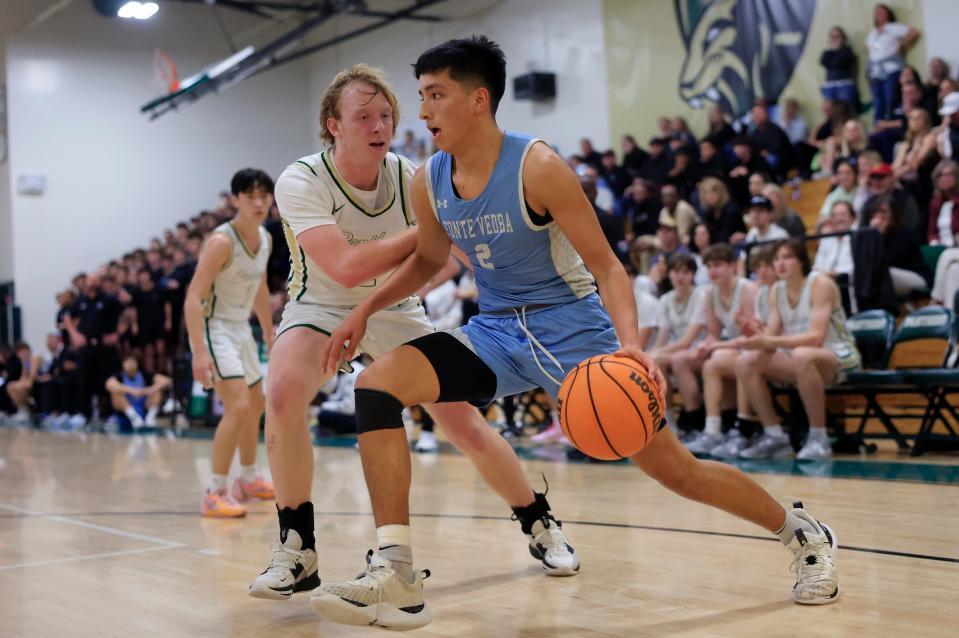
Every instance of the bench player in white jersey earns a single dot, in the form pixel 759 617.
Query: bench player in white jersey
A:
pixel 539 256
pixel 229 283
pixel 348 220
pixel 805 344
pixel 729 300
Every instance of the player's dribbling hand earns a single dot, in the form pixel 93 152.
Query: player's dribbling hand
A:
pixel 342 344
pixel 203 369
pixel 649 363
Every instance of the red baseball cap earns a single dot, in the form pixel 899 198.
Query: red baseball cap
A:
pixel 881 170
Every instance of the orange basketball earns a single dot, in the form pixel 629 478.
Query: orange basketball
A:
pixel 609 407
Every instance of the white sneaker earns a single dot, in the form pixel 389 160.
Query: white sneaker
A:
pixel 816 448
pixel 731 446
pixel 426 442
pixel 22 417
pixel 291 569
pixel 136 421
pixel 76 422
pixel 379 596
pixel 769 447
pixel 548 543
pixel 704 442
pixel 814 555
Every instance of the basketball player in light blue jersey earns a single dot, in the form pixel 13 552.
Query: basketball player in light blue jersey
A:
pixel 514 209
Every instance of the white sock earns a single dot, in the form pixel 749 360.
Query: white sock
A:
pixel 218 483
pixel 132 414
pixel 818 432
pixel 152 413
pixel 745 417
pixel 393 535
pixel 714 425
pixel 792 523
pixel 248 473
pixel 775 430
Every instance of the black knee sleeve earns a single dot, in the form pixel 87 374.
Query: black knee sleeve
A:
pixel 377 410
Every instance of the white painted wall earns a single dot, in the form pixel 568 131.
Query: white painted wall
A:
pixel 6 221
pixel 561 36
pixel 115 179
pixel 940 18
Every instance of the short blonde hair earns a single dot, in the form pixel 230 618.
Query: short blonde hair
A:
pixel 330 102
pixel 714 183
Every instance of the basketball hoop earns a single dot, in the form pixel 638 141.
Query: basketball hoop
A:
pixel 164 71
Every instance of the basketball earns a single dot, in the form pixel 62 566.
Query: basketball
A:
pixel 609 407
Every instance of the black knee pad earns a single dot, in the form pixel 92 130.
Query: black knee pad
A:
pixel 377 410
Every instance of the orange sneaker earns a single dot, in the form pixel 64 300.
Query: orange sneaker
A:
pixel 220 505
pixel 259 488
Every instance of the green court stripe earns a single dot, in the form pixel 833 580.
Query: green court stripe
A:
pixel 302 283
pixel 306 165
pixel 359 207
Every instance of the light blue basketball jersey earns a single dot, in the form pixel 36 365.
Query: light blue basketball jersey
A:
pixel 519 258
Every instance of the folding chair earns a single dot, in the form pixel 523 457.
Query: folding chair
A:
pixel 922 342
pixel 936 385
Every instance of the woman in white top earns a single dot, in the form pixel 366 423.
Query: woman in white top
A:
pixel 847 187
pixel 805 344
pixel 885 44
pixel 834 255
pixel 944 230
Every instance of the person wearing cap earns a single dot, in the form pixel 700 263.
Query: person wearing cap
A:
pixel 882 182
pixel 648 250
pixel 948 138
pixel 762 228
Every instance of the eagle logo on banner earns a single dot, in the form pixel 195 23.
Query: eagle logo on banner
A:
pixel 740 50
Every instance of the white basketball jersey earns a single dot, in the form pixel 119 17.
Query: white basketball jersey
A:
pixel 234 289
pixel 796 319
pixel 762 304
pixel 675 316
pixel 311 193
pixel 727 316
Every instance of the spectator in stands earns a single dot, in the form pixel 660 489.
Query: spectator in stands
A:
pixel 914 156
pixel 699 242
pixel 615 176
pixel 928 101
pixel 154 319
pixel 852 141
pixel 408 147
pixel 944 231
pixel 938 71
pixel 683 174
pixel 679 210
pixel 840 64
pixel 783 216
pixel 11 369
pixel 720 214
pixel 640 209
pixel 748 161
pixel 885 44
pixel 55 387
pixel 834 254
pixel 762 228
pixel 137 394
pixel 612 227
pixel 682 134
pixel 589 155
pixel 805 344
pixel 65 301
pixel 901 254
pixel 665 126
pixel 757 182
pixel 889 131
pixel 882 181
pixel 605 199
pixel 835 114
pixel 650 250
pixel 771 141
pixel 792 122
pixel 634 158
pixel 865 162
pixel 657 165
pixel 947 142
pixel 720 131
pixel 847 187
pixel 711 159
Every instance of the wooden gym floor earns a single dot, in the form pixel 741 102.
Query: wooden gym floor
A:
pixel 100 536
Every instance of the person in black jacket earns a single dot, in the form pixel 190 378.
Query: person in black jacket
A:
pixel 901 254
pixel 721 216
pixel 840 64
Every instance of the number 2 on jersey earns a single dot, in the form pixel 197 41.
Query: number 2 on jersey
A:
pixel 482 256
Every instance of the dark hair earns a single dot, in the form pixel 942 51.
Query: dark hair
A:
pixel 846 161
pixel 681 261
pixel 842 32
pixel 877 202
pixel 691 242
pixel 244 181
pixel 474 60
pixel 798 248
pixel 719 252
pixel 890 14
pixel 742 140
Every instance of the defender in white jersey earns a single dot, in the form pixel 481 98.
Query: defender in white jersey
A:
pixel 230 283
pixel 729 299
pixel 347 217
pixel 805 344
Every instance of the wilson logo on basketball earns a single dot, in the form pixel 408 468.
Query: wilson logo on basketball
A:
pixel 653 405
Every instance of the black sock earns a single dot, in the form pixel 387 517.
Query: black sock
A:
pixel 300 520
pixel 535 511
